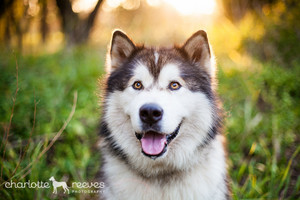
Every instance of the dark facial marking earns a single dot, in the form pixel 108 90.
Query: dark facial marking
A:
pixel 148 58
pixel 112 145
pixel 196 79
pixel 119 78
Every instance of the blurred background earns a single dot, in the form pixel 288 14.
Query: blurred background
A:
pixel 52 58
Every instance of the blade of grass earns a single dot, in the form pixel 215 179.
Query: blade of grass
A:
pixel 27 145
pixel 56 136
pixel 289 164
pixel 27 169
pixel 11 115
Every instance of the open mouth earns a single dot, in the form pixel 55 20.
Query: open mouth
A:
pixel 154 144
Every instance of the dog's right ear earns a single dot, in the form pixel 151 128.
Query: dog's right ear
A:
pixel 198 51
pixel 120 49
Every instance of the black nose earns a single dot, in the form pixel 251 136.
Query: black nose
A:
pixel 151 113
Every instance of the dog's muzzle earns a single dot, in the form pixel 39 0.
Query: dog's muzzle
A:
pixel 154 143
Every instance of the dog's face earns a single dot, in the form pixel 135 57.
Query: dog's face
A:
pixel 159 100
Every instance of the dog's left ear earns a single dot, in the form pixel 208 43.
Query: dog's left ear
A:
pixel 120 49
pixel 198 51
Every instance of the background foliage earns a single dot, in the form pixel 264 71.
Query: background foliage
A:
pixel 256 44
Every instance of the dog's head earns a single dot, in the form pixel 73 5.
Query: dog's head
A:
pixel 157 96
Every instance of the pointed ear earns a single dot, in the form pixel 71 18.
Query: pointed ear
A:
pixel 120 49
pixel 198 51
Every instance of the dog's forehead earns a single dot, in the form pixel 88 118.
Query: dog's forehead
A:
pixel 156 59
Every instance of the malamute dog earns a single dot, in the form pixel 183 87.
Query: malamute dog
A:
pixel 161 123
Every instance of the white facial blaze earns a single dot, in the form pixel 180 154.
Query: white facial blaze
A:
pixel 156 55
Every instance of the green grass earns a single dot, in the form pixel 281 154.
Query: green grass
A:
pixel 51 80
pixel 262 129
pixel 262 123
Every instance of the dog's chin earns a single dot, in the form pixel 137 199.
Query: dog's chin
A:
pixel 155 144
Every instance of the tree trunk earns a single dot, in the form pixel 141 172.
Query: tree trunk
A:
pixel 76 30
pixel 43 26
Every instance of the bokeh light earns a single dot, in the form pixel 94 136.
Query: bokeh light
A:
pixel 189 7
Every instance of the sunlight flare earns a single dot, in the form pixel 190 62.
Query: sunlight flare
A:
pixel 193 7
pixel 83 5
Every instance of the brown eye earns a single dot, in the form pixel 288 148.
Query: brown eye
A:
pixel 174 86
pixel 137 85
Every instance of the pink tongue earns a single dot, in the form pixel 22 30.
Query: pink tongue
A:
pixel 153 143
